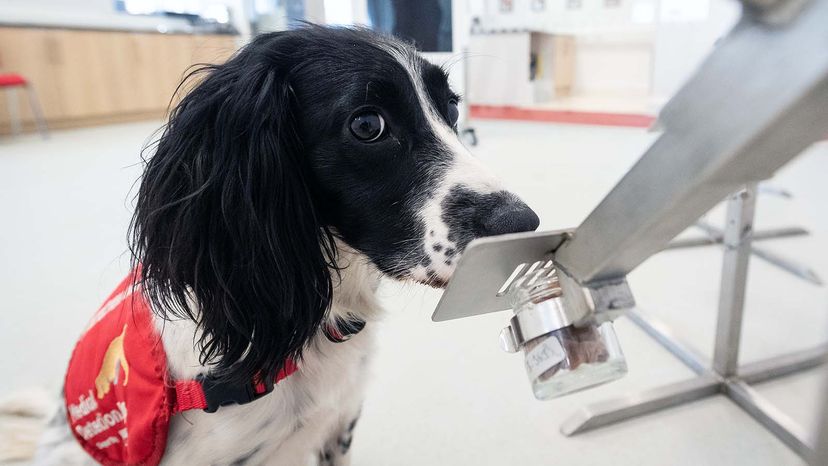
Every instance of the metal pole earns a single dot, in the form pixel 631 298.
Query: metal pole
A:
pixel 620 409
pixel 37 112
pixel 13 105
pixel 737 242
pixel 820 457
pixel 666 338
pixel 777 422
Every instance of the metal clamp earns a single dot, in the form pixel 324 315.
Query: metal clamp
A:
pixel 577 305
pixel 544 317
pixel 597 302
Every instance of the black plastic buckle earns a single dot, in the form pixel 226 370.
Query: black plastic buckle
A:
pixel 220 394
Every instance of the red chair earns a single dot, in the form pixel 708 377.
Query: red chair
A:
pixel 11 82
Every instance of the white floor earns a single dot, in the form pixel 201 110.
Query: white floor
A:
pixel 444 394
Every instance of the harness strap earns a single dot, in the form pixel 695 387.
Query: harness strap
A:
pixel 209 393
pixel 188 395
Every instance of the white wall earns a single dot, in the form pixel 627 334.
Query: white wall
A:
pixel 315 10
pixel 65 6
pixel 78 13
pixel 613 46
pixel 499 67
pixel 592 18
pixel 613 65
pixel 101 14
pixel 681 45
pixel 640 48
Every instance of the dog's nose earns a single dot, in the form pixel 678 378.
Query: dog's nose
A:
pixel 511 217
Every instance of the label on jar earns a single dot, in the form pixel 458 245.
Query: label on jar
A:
pixel 543 357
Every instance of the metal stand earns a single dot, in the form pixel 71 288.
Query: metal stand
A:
pixel 725 376
pixel 756 102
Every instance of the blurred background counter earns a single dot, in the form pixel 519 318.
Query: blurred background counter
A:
pixel 93 63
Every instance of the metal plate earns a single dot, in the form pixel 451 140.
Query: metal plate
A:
pixel 485 266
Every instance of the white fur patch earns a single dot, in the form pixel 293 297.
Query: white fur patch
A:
pixel 465 170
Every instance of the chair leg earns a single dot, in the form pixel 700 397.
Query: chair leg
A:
pixel 14 110
pixel 37 112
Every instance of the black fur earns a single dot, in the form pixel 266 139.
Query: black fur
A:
pixel 226 216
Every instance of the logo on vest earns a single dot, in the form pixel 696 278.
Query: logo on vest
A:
pixel 114 359
pixel 107 419
pixel 84 406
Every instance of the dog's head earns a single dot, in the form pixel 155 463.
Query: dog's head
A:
pixel 302 137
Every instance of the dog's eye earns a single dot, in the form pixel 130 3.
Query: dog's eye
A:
pixel 368 126
pixel 453 112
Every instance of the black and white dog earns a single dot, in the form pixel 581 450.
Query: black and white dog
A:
pixel 284 186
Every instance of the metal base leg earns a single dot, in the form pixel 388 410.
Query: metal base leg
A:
pixel 631 406
pixel 799 270
pixel 764 412
pixel 707 384
pixel 14 111
pixel 662 334
pixel 781 366
pixel 709 240
pixel 37 112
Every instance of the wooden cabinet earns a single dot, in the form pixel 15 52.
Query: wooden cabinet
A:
pixel 563 65
pixel 91 77
pixel 31 53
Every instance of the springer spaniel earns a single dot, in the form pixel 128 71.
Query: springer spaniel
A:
pixel 285 185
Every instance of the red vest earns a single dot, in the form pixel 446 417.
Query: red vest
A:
pixel 118 392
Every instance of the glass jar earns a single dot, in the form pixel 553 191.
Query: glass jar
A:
pixel 570 358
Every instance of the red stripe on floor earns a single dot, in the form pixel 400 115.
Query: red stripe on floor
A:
pixel 561 116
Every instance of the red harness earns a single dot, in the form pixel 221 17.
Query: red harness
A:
pixel 118 373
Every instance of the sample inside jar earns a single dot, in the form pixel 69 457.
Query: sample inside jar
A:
pixel 580 346
pixel 571 359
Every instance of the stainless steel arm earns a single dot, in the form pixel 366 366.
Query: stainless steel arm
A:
pixel 755 103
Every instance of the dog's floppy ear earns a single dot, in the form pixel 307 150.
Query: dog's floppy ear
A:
pixel 225 229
